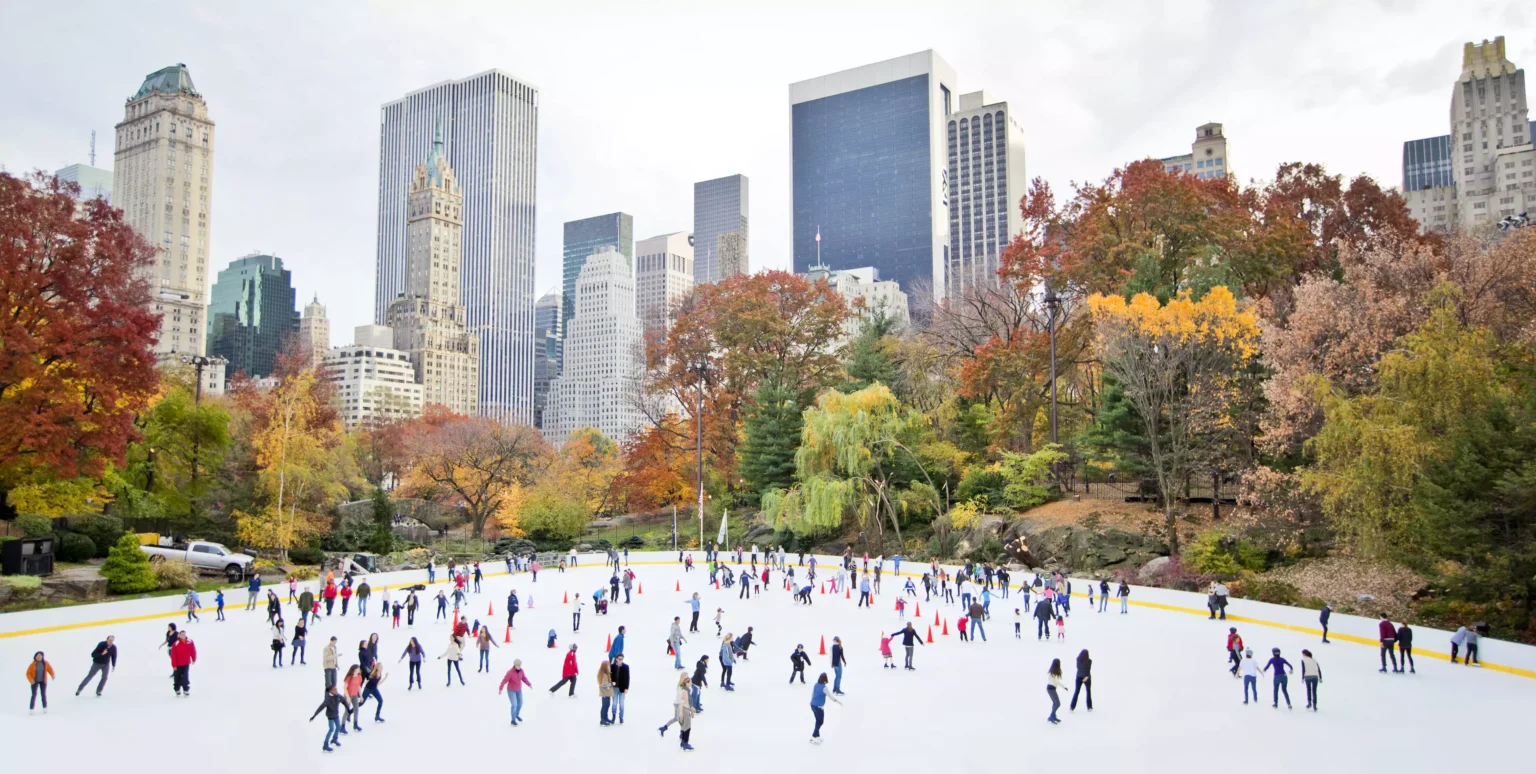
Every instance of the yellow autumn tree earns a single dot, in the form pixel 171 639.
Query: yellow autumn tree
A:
pixel 1181 366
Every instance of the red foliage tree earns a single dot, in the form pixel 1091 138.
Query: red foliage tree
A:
pixel 76 360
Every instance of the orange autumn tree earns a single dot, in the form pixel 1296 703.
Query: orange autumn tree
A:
pixel 474 462
pixel 1181 366
pixel 657 473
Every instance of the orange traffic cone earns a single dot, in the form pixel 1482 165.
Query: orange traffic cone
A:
pixel 847 593
pixel 717 585
pixel 823 588
pixel 897 604
pixel 488 610
pixel 639 588
pixel 930 635
pixel 946 627
pixel 566 600
pixel 455 619
pixel 508 638
pixel 608 646
pixel 823 645
pixel 678 587
pixel 918 613
pixel 935 618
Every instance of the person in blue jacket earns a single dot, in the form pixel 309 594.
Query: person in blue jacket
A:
pixel 819 699
pixel 255 588
pixel 617 648
pixel 727 663
pixel 512 608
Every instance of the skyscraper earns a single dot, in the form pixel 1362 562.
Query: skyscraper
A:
pixel 93 181
pixel 599 385
pixel 490 131
pixel 585 237
pixel 986 182
pixel 546 358
pixel 314 333
pixel 719 208
pixel 1208 155
pixel 1485 169
pixel 163 182
pixel 664 273
pixel 868 168
pixel 251 316
pixel 428 320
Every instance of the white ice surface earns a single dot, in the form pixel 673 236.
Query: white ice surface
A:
pixel 1164 701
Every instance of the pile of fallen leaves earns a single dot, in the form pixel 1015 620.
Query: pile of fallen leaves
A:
pixel 1341 580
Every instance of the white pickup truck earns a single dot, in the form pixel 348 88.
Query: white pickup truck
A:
pixel 205 557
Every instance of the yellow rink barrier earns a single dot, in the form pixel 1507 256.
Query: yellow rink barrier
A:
pixel 179 612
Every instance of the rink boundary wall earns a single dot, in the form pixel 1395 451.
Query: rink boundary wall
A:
pixel 1334 634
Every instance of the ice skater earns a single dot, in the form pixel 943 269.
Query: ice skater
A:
pixel 376 676
pixel 103 660
pixel 192 604
pixel 885 652
pixel 839 660
pixel 1322 618
pixel 1053 688
pixel 39 672
pixel 353 683
pixel 484 642
pixel 819 699
pixel 700 680
pixel 1103 595
pixel 1311 676
pixel 218 599
pixel 605 692
pixel 279 642
pixel 183 656
pixel 798 661
pixel 693 625
pixel 1405 648
pixel 413 651
pixel 328 658
pixel 908 636
pixel 1043 615
pixel 1281 667
pixel 675 642
pixel 1250 672
pixel 1084 679
pixel 1125 594
pixel 331 706
pixel 1234 649
pixel 512 682
pixel 1388 643
pixel 727 663
pixel 454 653
pixel 568 672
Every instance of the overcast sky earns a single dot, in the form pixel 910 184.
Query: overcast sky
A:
pixel 640 99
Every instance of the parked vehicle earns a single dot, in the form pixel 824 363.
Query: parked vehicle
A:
pixel 204 557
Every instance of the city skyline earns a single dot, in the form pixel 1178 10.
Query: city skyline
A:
pixel 1086 107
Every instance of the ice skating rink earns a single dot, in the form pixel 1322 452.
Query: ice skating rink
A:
pixel 1163 698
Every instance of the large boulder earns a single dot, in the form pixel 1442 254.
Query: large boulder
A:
pixel 989 527
pixel 1152 569
pixel 1079 549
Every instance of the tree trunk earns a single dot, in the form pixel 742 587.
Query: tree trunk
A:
pixel 1171 526
pixel 1216 497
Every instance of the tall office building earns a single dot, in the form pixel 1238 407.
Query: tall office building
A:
pixel 251 315
pixel 490 132
pixel 664 274
pixel 372 384
pixel 986 182
pixel 719 209
pixel 868 169
pixel 429 322
pixel 93 181
pixel 546 359
pixel 1485 169
pixel 599 385
pixel 585 237
pixel 314 333
pixel 1208 155
pixel 865 293
pixel 163 182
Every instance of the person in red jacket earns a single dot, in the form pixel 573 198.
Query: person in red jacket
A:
pixel 330 597
pixel 1234 649
pixel 346 595
pixel 568 673
pixel 183 656
pixel 1388 643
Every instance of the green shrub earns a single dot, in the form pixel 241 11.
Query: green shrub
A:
pixel 34 525
pixel 103 530
pixel 127 568
pixel 174 575
pixel 1216 553
pixel 75 547
pixel 22 582
pixel 549 518
pixel 353 535
pixel 306 555
pixel 982 482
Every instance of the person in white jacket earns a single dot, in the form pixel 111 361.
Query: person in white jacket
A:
pixel 454 653
pixel 1054 687
pixel 1311 675
pixel 1249 669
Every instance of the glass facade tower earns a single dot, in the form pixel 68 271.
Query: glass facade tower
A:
pixel 719 208
pixel 252 314
pixel 585 237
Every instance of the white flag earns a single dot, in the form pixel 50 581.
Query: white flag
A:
pixel 723 519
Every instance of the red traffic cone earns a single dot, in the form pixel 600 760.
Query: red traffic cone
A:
pixel 609 645
pixel 678 587
pixel 455 619
pixel 823 645
pixel 488 610
pixel 823 588
pixel 847 593
pixel 930 635
pixel 918 612
pixel 639 588
pixel 508 638
pixel 946 627
pixel 717 585
pixel 566 600
pixel 897 604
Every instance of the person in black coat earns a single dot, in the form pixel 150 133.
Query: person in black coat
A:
pixel 799 660
pixel 909 636
pixel 1084 679
pixel 1404 647
pixel 331 705
pixel 1043 615
pixel 700 679
pixel 103 660
pixel 743 643
pixel 1323 617
pixel 620 677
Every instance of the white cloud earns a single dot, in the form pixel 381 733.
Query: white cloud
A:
pixel 639 100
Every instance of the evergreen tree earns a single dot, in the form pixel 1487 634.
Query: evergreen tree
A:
pixel 772 436
pixel 867 358
pixel 383 538
pixel 127 567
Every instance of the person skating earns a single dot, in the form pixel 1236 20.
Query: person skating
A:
pixel 908 636
pixel 368 653
pixel 306 604
pixel 412 604
pixel 798 661
pixel 183 656
pixel 1311 676
pixel 1405 648
pixel 191 603
pixel 442 605
pixel 576 613
pixel 1053 688
pixel 385 603
pixel 616 649
pixel 329 594
pixel 684 716
pixel 1044 612
pixel 885 652
pixel 279 642
pixel 719 622
pixel 484 642
pixel 363 592
pixel 819 699
pixel 1103 594
pixel 353 683
pixel 1234 649
pixel 1282 668
pixel 978 612
pixel 675 642
pixel 254 587
pixel 681 697
pixel 743 643
pixel 375 677
pixel 512 682
pixel 727 663
pixel 1084 679
pixel 839 660
pixel 605 692
pixel 328 659
pixel 1323 616
pixel 1250 672
pixel 274 607
pixel 218 599
pixel 693 625
pixel 39 672
pixel 414 652
pixel 864 597
pixel 700 680
pixel 103 660
pixel 1125 594
pixel 1388 643
pixel 568 672
pixel 1471 642
pixel 331 706
pixel 454 653
pixel 620 673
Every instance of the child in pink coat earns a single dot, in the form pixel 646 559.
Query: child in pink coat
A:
pixel 885 652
